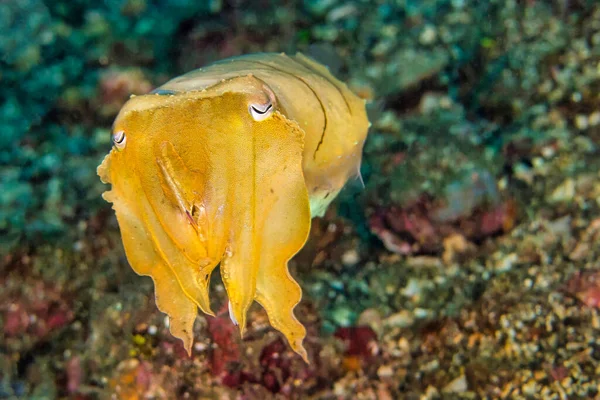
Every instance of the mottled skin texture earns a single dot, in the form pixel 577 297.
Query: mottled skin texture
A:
pixel 200 182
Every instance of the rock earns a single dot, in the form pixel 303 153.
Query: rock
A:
pixel 428 36
pixel 385 371
pixel 456 245
pixel 371 318
pixel 458 385
pixel 402 319
pixel 564 193
pixel 350 258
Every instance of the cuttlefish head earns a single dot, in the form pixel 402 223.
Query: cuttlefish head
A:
pixel 207 177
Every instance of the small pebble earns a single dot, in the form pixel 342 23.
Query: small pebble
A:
pixel 581 122
pixel 371 318
pixel 422 313
pixel 564 193
pixel 428 36
pixel 506 262
pixel 350 258
pixel 200 346
pixel 594 118
pixel 385 371
pixel 342 12
pixel 402 319
pixel 458 385
pixel 530 388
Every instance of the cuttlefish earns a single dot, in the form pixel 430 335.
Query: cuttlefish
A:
pixel 226 165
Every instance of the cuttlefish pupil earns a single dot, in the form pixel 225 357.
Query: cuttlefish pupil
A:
pixel 260 112
pixel 119 139
pixel 226 166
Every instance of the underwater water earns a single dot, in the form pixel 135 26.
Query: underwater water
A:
pixel 463 261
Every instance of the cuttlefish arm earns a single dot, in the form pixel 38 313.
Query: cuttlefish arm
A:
pixel 285 210
pixel 145 257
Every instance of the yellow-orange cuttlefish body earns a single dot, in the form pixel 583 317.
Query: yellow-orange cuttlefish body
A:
pixel 226 165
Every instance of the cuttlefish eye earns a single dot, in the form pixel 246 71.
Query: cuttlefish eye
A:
pixel 260 112
pixel 119 139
